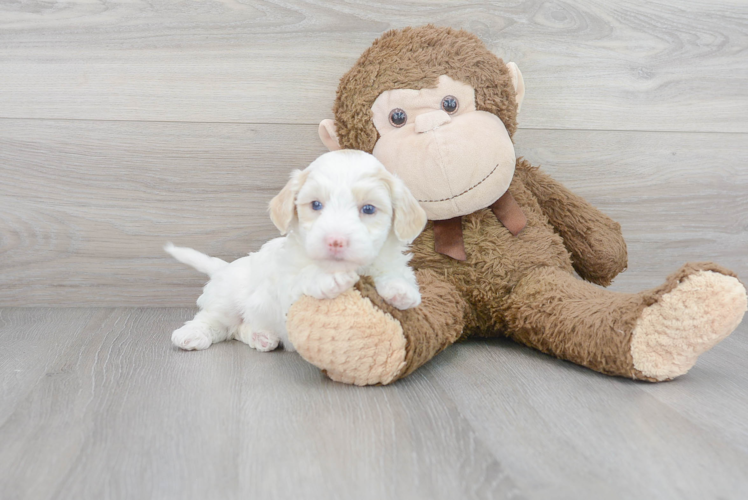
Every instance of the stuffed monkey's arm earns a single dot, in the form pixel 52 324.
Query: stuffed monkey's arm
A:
pixel 594 240
pixel 359 339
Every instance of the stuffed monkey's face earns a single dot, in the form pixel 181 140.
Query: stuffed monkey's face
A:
pixel 453 158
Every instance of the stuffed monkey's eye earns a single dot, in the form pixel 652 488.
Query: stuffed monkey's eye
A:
pixel 450 104
pixel 398 117
pixel 316 205
pixel 368 209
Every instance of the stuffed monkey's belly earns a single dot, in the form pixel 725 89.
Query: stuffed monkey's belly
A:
pixel 496 262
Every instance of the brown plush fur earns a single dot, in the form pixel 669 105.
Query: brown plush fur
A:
pixel 523 286
pixel 415 58
pixel 558 314
pixel 437 323
pixel 598 251
pixel 518 286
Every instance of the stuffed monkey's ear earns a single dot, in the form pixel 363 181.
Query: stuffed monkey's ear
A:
pixel 283 206
pixel 518 82
pixel 410 218
pixel 329 134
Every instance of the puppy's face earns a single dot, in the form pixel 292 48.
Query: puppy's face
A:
pixel 344 207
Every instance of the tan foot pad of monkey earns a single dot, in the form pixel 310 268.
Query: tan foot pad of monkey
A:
pixel 498 255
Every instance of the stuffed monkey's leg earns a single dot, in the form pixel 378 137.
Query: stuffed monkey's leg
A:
pixel 359 339
pixel 654 335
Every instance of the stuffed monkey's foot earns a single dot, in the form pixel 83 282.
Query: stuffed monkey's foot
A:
pixel 687 321
pixel 348 338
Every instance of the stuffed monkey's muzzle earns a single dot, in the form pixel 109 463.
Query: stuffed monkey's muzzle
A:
pixel 453 165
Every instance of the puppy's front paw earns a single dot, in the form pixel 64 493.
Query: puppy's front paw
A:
pixel 332 285
pixel 399 293
pixel 190 338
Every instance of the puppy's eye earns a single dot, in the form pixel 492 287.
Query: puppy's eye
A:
pixel 398 117
pixel 316 205
pixel 450 104
pixel 368 209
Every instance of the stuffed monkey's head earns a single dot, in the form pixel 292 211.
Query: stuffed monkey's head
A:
pixel 438 109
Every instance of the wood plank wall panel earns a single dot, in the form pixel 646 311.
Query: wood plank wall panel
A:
pixel 634 65
pixel 127 124
pixel 85 207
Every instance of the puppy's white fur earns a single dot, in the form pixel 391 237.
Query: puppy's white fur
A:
pixel 323 254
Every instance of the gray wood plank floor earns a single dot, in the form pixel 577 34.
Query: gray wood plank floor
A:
pixel 97 404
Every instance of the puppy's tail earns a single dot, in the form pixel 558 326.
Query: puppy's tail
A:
pixel 200 261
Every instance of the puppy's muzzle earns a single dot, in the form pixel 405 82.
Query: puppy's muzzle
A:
pixel 337 245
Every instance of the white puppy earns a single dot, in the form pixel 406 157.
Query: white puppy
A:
pixel 344 216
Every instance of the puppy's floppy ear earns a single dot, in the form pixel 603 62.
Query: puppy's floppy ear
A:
pixel 283 206
pixel 328 133
pixel 410 218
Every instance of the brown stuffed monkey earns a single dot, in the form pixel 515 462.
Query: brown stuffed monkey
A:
pixel 498 255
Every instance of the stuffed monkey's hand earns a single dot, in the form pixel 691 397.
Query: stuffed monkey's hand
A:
pixel 359 339
pixel 594 240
